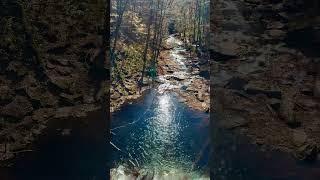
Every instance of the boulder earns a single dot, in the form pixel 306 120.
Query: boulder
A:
pixel 18 108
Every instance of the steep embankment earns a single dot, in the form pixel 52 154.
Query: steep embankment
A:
pixel 128 58
pixel 52 64
pixel 265 72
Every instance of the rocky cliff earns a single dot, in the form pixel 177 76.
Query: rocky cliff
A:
pixel 52 67
pixel 265 72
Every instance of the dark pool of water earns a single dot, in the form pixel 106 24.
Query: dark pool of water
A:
pixel 236 158
pixel 160 134
pixel 82 155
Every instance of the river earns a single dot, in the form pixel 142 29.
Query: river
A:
pixel 158 136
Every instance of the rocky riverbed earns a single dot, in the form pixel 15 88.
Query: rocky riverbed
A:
pixel 179 70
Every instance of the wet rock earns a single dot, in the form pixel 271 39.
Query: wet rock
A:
pixel 308 152
pixel 200 96
pixel 78 111
pixel 6 155
pixel 43 114
pixel 115 95
pixel 176 78
pixel 147 176
pixel 18 108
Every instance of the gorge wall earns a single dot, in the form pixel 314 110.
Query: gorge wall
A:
pixel 265 73
pixel 53 68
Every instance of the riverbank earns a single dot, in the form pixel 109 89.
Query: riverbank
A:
pixel 179 70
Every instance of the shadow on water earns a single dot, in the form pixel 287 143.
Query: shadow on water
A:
pixel 80 155
pixel 234 157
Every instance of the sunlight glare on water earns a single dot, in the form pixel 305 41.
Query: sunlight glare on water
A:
pixel 165 142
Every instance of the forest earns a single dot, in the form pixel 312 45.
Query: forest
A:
pixel 138 32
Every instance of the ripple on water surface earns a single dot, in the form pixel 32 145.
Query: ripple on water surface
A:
pixel 161 137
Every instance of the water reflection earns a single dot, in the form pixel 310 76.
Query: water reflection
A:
pixel 165 140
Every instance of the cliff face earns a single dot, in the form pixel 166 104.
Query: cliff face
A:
pixel 265 72
pixel 52 66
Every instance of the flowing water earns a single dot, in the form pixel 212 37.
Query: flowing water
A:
pixel 159 137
